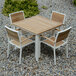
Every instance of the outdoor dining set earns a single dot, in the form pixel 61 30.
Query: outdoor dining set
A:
pixel 37 25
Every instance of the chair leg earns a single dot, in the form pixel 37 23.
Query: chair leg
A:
pixel 20 55
pixel 54 56
pixel 8 50
pixel 67 50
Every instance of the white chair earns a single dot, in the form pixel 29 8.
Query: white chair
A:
pixel 58 17
pixel 60 40
pixel 16 16
pixel 15 39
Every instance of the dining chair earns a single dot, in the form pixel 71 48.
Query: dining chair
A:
pixel 18 41
pixel 16 16
pixel 58 17
pixel 60 40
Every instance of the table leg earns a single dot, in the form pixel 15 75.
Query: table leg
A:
pixel 37 47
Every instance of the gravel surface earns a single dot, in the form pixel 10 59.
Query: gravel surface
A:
pixel 45 66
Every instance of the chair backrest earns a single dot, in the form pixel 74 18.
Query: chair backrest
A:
pixel 16 16
pixel 63 34
pixel 12 34
pixel 59 17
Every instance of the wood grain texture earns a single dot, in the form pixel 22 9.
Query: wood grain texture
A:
pixel 15 38
pixel 17 17
pixel 37 24
pixel 57 17
pixel 52 43
pixel 24 41
pixel 63 35
pixel 12 35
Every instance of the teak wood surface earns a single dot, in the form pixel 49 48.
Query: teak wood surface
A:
pixel 17 17
pixel 37 24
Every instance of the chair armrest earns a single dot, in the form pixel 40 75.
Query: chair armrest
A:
pixel 46 38
pixel 24 40
pixel 27 38
pixel 18 29
pixel 57 29
pixel 30 36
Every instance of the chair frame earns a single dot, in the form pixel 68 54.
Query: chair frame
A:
pixel 11 20
pixel 54 47
pixel 15 13
pixel 62 23
pixel 20 47
pixel 59 13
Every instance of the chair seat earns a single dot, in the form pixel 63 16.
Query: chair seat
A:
pixel 23 40
pixel 52 43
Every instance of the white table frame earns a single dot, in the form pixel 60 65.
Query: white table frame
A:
pixel 37 47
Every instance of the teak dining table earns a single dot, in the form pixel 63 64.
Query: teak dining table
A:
pixel 37 25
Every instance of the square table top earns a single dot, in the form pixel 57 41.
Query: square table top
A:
pixel 37 24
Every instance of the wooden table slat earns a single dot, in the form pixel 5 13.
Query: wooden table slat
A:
pixel 37 24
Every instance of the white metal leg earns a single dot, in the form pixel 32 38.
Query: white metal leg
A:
pixel 54 56
pixel 20 55
pixel 8 50
pixel 37 47
pixel 67 50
